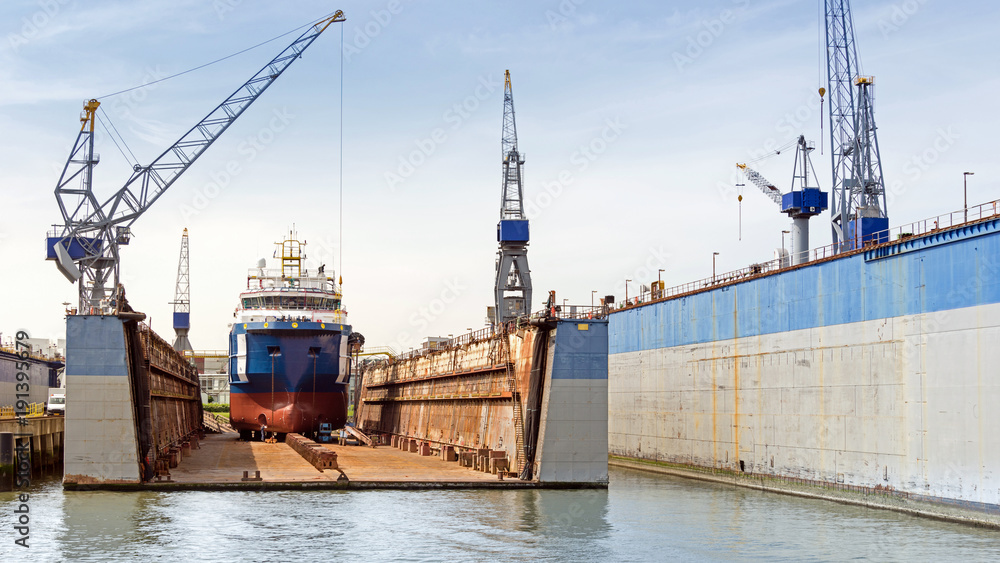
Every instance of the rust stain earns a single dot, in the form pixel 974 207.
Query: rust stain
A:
pixel 736 379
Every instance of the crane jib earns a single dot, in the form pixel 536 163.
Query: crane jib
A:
pixel 85 247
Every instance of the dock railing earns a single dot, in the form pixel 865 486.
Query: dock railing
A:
pixel 982 212
pixel 33 410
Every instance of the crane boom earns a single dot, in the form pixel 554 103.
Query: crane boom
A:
pixel 769 189
pixel 512 204
pixel 85 247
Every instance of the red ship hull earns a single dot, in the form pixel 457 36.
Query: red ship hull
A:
pixel 290 411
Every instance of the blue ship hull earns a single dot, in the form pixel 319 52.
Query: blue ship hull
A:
pixel 288 376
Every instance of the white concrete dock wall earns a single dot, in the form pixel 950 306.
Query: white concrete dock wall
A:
pixel 905 403
pixel 101 444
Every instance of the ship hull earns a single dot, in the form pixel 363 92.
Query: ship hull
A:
pixel 288 376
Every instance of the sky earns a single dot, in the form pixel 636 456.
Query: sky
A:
pixel 631 117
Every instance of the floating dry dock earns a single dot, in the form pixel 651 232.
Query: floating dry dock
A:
pixel 534 396
pixel 519 407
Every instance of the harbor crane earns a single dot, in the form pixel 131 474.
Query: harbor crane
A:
pixel 801 203
pixel 858 206
pixel 182 299
pixel 513 278
pixel 86 247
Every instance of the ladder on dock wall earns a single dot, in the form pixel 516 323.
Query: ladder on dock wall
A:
pixel 515 397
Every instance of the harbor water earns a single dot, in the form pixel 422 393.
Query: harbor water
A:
pixel 640 517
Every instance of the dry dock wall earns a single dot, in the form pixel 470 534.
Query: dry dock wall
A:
pixel 101 443
pixel 477 394
pixel 878 371
pixel 131 401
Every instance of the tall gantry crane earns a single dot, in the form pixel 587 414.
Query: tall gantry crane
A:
pixel 86 246
pixel 513 280
pixel 801 203
pixel 182 299
pixel 858 210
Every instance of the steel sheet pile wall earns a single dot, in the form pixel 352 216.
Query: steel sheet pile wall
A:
pixel 877 371
pixel 463 396
pixel 174 392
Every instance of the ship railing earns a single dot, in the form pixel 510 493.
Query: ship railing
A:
pixel 974 214
pixel 205 353
pixel 387 351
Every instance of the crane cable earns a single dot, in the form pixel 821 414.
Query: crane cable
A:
pixel 313 22
pixel 775 152
pixel 341 241
pixel 105 122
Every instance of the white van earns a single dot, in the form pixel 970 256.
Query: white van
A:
pixel 57 402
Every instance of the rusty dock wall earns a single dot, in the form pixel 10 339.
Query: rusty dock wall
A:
pixel 535 397
pixel 133 402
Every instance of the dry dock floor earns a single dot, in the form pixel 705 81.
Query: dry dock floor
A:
pixel 222 458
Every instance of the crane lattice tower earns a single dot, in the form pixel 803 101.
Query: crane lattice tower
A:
pixel 513 277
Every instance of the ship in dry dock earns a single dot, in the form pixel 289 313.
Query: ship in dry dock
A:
pixel 288 349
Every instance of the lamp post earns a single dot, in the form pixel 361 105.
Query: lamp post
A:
pixel 626 292
pixel 592 294
pixel 783 233
pixel 965 190
pixel 659 283
pixel 714 254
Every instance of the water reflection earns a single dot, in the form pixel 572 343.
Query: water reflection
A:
pixel 642 517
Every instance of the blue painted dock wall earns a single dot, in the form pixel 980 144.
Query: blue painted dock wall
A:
pixel 939 272
pixel 877 370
